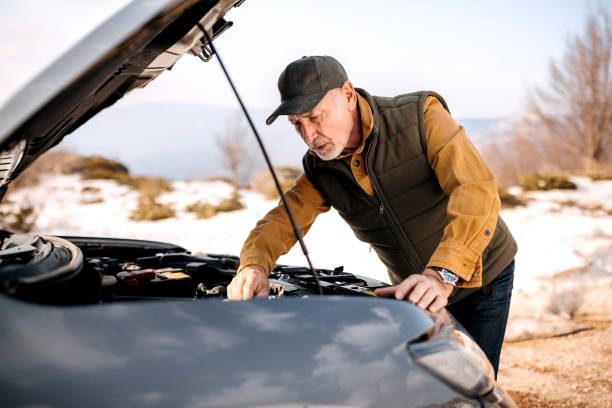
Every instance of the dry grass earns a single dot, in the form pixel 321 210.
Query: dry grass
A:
pixel 100 168
pixel 219 178
pixel 509 200
pixel 90 189
pixel 149 209
pixel 22 220
pixel 202 210
pixel 230 204
pixel 264 183
pixel 97 167
pixel 539 182
pixel 601 177
pixel 87 201
pixel 149 188
pixel 594 209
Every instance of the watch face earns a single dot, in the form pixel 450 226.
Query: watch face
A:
pixel 448 276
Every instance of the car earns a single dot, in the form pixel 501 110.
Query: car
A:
pixel 92 321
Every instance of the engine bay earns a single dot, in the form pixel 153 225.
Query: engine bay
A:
pixel 80 270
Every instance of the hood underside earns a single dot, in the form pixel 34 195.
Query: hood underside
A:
pixel 127 51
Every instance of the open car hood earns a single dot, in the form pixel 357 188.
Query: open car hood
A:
pixel 128 50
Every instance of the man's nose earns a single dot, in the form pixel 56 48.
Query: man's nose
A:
pixel 308 133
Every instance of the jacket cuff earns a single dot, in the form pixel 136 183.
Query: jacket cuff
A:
pixel 466 261
pixel 255 259
pixel 460 260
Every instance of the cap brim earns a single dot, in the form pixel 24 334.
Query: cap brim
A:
pixel 296 106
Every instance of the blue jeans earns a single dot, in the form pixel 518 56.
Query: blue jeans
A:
pixel 484 313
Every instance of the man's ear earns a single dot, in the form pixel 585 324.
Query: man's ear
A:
pixel 350 95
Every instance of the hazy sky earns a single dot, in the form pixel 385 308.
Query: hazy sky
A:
pixel 482 56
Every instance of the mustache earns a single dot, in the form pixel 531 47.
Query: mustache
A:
pixel 319 141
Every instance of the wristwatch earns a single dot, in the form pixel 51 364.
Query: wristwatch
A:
pixel 446 275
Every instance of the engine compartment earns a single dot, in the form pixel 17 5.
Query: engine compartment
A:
pixel 78 270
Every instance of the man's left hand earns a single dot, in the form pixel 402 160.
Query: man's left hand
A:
pixel 426 290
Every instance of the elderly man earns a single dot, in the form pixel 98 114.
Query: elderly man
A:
pixel 407 180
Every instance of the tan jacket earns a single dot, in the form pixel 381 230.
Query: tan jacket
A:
pixel 461 172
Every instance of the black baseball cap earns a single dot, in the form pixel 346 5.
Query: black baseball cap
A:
pixel 305 82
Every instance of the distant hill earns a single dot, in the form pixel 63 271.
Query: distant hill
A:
pixel 484 131
pixel 177 141
pixel 174 141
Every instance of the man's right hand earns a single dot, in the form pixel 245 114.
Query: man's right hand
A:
pixel 251 281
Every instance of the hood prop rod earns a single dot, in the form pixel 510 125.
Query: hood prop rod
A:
pixel 296 229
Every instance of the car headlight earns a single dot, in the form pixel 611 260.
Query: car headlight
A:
pixel 453 357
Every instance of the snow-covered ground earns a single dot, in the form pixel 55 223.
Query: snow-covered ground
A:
pixel 564 263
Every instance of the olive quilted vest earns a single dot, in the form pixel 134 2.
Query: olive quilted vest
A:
pixel 405 220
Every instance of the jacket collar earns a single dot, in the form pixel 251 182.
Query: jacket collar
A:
pixel 375 115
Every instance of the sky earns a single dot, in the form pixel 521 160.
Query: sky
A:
pixel 482 56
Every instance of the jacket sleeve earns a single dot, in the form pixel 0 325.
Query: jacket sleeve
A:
pixel 473 205
pixel 273 234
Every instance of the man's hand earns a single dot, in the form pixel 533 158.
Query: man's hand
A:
pixel 251 281
pixel 427 290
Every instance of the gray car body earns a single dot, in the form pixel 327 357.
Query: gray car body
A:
pixel 331 350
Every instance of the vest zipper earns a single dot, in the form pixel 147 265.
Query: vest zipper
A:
pixel 390 218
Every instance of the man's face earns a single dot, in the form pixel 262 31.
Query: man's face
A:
pixel 327 127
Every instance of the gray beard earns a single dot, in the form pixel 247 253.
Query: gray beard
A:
pixel 329 155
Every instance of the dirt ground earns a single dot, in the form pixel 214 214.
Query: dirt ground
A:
pixel 574 370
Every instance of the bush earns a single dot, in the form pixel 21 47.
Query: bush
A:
pixel 97 167
pixel 509 200
pixel 23 220
pixel 150 210
pixel 90 189
pixel 264 183
pixel 97 200
pixel 600 177
pixel 230 204
pixel 206 210
pixel 150 186
pixel 538 182
pixel 220 178
pixel 202 210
